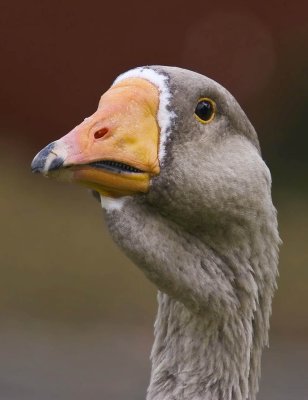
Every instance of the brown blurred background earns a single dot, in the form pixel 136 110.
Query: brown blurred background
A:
pixel 76 316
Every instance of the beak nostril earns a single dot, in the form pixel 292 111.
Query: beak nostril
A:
pixel 100 133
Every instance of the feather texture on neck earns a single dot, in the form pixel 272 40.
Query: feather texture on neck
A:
pixel 214 303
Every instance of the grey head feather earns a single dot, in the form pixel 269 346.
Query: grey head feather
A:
pixel 206 235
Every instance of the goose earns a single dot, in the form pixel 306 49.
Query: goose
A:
pixel 177 166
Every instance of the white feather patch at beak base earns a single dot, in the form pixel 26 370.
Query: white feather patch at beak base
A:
pixel 165 117
pixel 110 204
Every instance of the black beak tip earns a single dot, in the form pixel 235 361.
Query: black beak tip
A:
pixel 37 164
pixel 35 170
pixel 46 160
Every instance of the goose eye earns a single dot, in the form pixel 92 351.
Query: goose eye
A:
pixel 205 110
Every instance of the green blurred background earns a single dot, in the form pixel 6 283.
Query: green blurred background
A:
pixel 76 316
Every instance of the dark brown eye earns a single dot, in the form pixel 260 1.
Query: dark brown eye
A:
pixel 205 110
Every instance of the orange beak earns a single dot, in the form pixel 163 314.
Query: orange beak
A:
pixel 114 151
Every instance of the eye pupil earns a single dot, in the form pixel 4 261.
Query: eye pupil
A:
pixel 205 110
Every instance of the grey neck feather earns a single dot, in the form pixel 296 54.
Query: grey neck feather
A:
pixel 214 304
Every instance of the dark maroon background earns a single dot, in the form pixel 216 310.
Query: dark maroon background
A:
pixel 57 58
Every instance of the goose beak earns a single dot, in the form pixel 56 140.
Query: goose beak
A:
pixel 114 151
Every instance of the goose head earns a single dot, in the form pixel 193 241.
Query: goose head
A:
pixel 177 165
pixel 174 138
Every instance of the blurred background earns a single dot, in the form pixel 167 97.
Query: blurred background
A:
pixel 76 316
